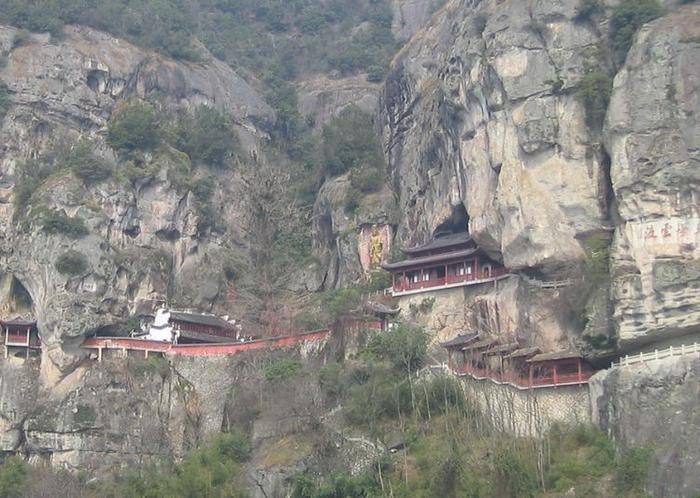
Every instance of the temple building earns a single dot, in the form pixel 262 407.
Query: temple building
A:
pixel 184 327
pixel 523 367
pixel 20 336
pixel 445 262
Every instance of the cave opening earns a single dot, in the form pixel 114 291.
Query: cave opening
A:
pixel 20 299
pixel 457 222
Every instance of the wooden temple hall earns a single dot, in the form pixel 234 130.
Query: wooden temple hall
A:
pixel 20 337
pixel 512 363
pixel 447 261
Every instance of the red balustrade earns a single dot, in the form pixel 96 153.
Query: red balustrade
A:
pixel 449 279
pixel 514 379
pixel 209 349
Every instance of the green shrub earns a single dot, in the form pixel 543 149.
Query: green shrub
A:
pixel 13 477
pixel 404 346
pixel 336 485
pixel 632 470
pixel 329 378
pixel 594 91
pixel 30 176
pixel 133 127
pixel 627 18
pixel 71 263
pixel 375 74
pixel 5 100
pixel 85 164
pixel 587 9
pixel 350 141
pixel 57 222
pixel 515 472
pixel 281 370
pixel 207 137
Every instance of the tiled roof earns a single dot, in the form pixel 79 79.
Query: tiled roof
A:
pixel 480 345
pixel 19 322
pixel 198 336
pixel 383 309
pixel 503 348
pixel 441 243
pixel 460 340
pixel 436 258
pixel 524 352
pixel 201 319
pixel 555 355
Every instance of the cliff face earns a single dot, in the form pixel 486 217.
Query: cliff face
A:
pixel 479 114
pixel 144 244
pixel 484 126
pixel 655 151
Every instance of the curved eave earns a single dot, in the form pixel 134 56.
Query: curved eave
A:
pixel 427 260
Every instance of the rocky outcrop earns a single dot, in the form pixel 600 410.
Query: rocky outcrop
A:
pixel 145 242
pixel 322 98
pixel 138 411
pixel 412 15
pixel 655 152
pixel 336 230
pixel 480 112
pixel 654 405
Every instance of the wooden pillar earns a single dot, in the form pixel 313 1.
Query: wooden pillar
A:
pixel 449 359
pixel 145 353
pixel 476 267
pixel 445 273
pixel 530 375
pixel 28 332
pixel 554 372
pixel 422 272
pixel 393 281
pixel 99 354
pixel 578 362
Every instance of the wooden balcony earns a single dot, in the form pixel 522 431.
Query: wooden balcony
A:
pixel 520 381
pixel 404 288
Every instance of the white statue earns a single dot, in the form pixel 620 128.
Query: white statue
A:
pixel 161 329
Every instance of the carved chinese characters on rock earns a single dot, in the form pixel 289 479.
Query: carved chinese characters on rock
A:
pixel 374 245
pixel 669 231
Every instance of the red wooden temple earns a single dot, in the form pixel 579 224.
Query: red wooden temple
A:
pixel 508 363
pixel 20 335
pixel 202 328
pixel 445 262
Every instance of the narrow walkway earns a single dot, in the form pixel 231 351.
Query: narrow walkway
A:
pixel 125 345
pixel 682 350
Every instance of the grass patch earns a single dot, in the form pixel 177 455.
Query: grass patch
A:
pixel 627 18
pixel 71 263
pixel 281 370
pixel 57 222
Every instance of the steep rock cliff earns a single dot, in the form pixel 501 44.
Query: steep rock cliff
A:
pixel 655 151
pixel 480 113
pixel 144 244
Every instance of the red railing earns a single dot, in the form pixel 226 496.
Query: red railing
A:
pixel 449 279
pixel 210 349
pixel 514 379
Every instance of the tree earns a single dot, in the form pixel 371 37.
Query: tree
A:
pixel 206 136
pixel 627 18
pixel 134 127
pixel 594 91
pixel 403 345
pixel 13 476
pixel 85 164
pixel 350 141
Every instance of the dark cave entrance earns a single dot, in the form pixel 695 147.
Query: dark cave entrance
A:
pixel 458 222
